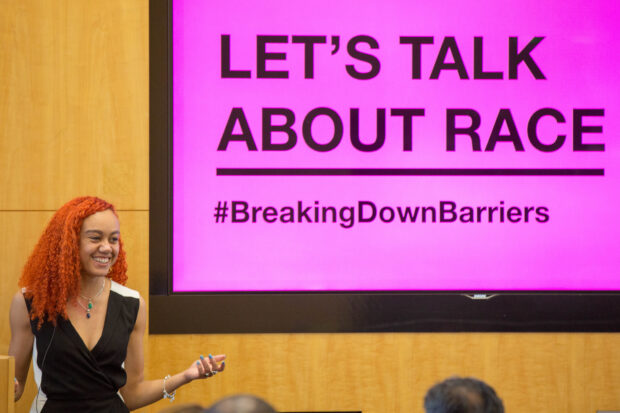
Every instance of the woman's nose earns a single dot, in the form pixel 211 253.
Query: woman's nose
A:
pixel 105 246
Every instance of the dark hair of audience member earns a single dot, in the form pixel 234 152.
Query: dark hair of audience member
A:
pixel 183 408
pixel 462 395
pixel 241 403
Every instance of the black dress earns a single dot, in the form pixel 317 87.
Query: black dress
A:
pixel 73 379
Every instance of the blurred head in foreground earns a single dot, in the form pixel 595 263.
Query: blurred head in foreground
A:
pixel 462 395
pixel 183 408
pixel 241 403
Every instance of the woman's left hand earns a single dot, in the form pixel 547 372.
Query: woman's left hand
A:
pixel 18 389
pixel 206 367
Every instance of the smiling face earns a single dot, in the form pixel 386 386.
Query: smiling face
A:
pixel 99 243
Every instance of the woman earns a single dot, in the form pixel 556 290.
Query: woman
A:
pixel 81 324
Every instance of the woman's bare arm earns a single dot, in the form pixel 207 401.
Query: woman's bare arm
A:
pixel 138 392
pixel 21 341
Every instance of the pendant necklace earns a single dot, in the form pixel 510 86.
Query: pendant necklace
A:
pixel 89 306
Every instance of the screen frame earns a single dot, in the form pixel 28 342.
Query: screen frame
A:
pixel 326 312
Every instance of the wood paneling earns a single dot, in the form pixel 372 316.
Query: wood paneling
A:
pixel 74 121
pixel 73 102
pixel 379 373
pixel 7 372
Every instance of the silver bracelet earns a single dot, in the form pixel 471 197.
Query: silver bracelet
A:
pixel 167 395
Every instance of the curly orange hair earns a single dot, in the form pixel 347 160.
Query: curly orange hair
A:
pixel 52 273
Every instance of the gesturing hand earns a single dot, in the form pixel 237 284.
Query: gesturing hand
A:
pixel 206 367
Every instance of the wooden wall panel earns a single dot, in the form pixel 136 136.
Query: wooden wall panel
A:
pixel 7 372
pixel 379 373
pixel 73 102
pixel 74 121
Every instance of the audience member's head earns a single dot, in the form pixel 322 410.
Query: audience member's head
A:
pixel 241 403
pixel 183 408
pixel 462 395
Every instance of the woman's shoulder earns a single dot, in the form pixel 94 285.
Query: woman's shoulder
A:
pixel 20 299
pixel 129 300
pixel 19 311
pixel 123 291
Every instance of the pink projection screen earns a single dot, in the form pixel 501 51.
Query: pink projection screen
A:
pixel 395 146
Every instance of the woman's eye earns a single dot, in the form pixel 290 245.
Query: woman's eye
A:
pixel 114 240
pixel 95 239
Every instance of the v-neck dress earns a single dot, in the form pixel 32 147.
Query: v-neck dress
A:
pixel 72 378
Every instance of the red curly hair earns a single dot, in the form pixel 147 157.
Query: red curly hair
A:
pixel 52 273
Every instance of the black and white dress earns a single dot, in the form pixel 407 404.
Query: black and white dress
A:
pixel 72 378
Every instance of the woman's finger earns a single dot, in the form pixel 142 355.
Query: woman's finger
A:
pixel 200 368
pixel 208 369
pixel 213 363
pixel 218 361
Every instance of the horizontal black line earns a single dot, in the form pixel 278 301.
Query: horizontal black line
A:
pixel 408 172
